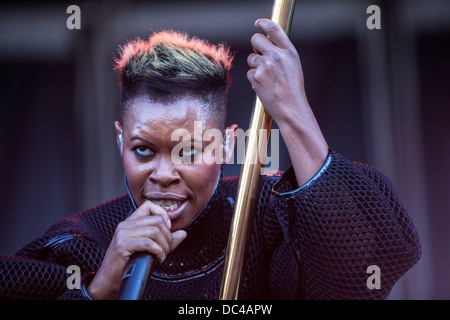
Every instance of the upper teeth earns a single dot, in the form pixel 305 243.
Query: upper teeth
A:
pixel 168 205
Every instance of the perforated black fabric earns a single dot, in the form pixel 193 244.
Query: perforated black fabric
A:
pixel 314 243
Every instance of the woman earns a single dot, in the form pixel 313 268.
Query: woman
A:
pixel 318 227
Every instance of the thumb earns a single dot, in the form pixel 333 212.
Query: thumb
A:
pixel 177 238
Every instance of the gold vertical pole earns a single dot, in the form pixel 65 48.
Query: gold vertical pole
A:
pixel 249 181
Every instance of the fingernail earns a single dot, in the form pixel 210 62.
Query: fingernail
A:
pixel 169 223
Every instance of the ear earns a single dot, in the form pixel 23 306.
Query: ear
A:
pixel 230 142
pixel 119 136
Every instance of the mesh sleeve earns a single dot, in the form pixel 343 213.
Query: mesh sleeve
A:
pixel 39 269
pixel 25 278
pixel 347 220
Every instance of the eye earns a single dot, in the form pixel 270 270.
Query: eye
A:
pixel 143 152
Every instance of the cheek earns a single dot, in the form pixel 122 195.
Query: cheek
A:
pixel 135 173
pixel 203 180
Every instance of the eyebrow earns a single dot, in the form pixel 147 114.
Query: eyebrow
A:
pixel 142 139
pixel 152 144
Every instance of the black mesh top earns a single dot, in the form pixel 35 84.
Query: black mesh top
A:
pixel 313 242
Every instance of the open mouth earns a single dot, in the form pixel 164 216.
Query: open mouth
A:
pixel 168 205
pixel 173 207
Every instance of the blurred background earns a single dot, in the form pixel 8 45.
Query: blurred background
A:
pixel 380 96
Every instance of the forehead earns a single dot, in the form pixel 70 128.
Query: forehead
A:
pixel 145 115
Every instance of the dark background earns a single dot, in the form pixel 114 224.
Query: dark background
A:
pixel 381 97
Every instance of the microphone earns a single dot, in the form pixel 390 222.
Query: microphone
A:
pixel 134 280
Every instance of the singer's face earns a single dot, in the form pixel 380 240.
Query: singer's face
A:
pixel 165 158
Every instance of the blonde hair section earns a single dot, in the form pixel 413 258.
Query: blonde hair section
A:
pixel 175 55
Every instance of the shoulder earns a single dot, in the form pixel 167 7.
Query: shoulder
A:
pixel 98 221
pixel 95 225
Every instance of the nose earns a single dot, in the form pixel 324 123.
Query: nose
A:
pixel 164 172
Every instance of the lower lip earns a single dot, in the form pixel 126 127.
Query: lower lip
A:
pixel 178 211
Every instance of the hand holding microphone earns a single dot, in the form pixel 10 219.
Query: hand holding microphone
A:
pixel 138 240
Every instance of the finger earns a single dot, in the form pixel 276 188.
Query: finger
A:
pixel 150 242
pixel 251 78
pixel 177 238
pixel 157 210
pixel 145 239
pixel 153 233
pixel 149 221
pixel 261 44
pixel 253 60
pixel 275 33
pixel 152 247
pixel 149 208
pixel 146 209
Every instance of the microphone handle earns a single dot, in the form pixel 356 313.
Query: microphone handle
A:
pixel 136 275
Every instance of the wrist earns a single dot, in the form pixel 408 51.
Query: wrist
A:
pixel 305 143
pixel 84 291
pixel 296 116
pixel 96 291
